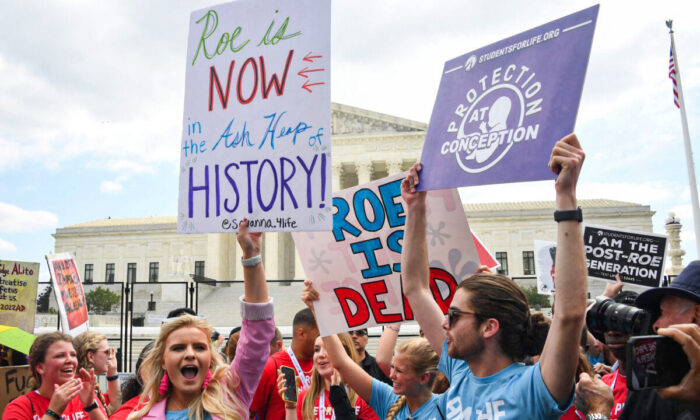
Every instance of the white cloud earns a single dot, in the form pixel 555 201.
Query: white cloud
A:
pixel 110 187
pixel 642 192
pixel 16 219
pixel 635 192
pixel 684 212
pixel 7 246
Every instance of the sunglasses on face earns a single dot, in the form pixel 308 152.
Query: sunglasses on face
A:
pixel 359 333
pixel 453 315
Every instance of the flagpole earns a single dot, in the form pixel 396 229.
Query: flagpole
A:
pixel 686 139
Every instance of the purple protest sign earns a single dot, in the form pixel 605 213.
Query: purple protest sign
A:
pixel 500 109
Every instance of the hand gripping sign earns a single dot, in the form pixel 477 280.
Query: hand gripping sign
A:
pixel 256 137
pixel 500 109
pixel 356 267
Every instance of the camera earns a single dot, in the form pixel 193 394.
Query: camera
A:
pixel 652 361
pixel 607 315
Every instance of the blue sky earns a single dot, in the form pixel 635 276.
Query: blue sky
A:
pixel 91 100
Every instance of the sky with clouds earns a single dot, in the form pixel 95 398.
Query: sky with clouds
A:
pixel 91 100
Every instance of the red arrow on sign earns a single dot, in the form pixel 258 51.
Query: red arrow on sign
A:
pixel 307 85
pixel 305 70
pixel 308 57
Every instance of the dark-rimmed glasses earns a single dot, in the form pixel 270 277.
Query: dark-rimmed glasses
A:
pixel 359 333
pixel 453 315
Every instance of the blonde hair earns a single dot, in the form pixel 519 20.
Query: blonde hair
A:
pixel 317 381
pixel 422 359
pixel 83 343
pixel 218 399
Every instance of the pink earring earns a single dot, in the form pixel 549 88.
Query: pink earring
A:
pixel 164 384
pixel 207 380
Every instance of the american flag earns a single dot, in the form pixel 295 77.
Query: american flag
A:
pixel 672 76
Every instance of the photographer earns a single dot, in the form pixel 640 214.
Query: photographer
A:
pixel 679 303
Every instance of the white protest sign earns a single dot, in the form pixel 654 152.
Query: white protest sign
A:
pixel 638 257
pixel 356 267
pixel 545 257
pixel 256 137
pixel 69 293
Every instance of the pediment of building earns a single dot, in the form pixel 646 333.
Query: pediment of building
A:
pixel 348 120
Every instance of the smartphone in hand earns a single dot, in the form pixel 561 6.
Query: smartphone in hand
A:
pixel 654 361
pixel 290 394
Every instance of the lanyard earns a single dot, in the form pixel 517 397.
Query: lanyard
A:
pixel 322 406
pixel 617 375
pixel 295 362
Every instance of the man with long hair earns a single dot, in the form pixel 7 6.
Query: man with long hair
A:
pixel 489 328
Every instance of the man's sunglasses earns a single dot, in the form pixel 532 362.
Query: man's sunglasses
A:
pixel 359 333
pixel 453 315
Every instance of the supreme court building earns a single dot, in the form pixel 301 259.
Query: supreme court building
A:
pixel 366 146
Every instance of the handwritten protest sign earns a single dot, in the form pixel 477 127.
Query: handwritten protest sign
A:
pixel 256 137
pixel 14 381
pixel 18 284
pixel 545 257
pixel 356 267
pixel 69 293
pixel 638 257
pixel 485 256
pixel 500 109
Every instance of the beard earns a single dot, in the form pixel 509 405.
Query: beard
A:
pixel 467 348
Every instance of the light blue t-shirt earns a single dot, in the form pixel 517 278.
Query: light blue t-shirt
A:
pixel 383 398
pixel 516 392
pixel 182 415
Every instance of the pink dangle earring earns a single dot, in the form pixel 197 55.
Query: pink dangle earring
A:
pixel 164 384
pixel 207 379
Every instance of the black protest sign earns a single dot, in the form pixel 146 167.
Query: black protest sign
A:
pixel 637 256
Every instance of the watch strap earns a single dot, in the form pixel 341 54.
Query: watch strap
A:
pixel 52 413
pixel 90 407
pixel 562 215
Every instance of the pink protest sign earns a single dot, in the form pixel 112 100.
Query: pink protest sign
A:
pixel 356 267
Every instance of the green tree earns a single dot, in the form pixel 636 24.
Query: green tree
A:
pixel 535 299
pixel 101 300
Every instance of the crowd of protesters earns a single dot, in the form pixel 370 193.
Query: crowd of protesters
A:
pixel 488 358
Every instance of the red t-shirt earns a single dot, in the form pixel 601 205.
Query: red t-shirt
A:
pixel 33 406
pixel 123 412
pixel 362 410
pixel 267 403
pixel 618 383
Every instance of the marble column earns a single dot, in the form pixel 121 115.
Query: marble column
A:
pixel 394 166
pixel 271 256
pixel 364 172
pixel 673 229
pixel 337 173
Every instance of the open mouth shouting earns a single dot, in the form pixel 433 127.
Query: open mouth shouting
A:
pixel 189 372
